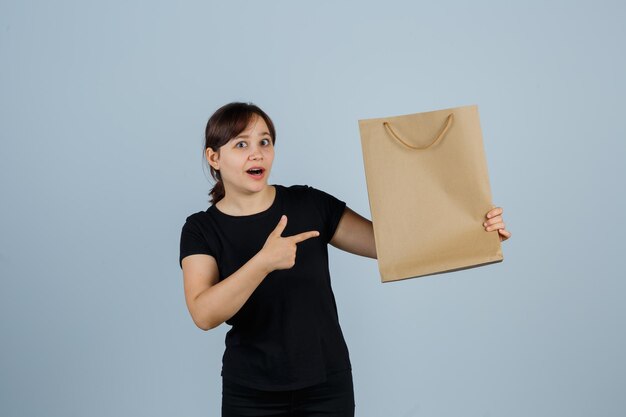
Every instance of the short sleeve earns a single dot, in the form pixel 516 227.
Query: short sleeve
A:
pixel 192 242
pixel 331 209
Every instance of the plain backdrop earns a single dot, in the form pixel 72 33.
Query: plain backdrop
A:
pixel 103 109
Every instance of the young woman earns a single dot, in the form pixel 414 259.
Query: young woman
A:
pixel 257 259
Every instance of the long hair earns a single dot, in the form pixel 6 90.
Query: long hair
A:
pixel 226 123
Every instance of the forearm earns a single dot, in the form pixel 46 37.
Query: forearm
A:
pixel 221 301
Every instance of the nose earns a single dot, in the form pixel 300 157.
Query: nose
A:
pixel 255 154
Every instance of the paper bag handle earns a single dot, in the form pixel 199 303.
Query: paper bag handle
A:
pixel 439 136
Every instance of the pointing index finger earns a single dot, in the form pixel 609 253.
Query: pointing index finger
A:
pixel 304 236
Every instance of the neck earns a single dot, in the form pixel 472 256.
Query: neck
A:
pixel 242 204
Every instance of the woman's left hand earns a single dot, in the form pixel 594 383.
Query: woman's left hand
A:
pixel 495 222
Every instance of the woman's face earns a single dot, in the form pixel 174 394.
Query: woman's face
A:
pixel 251 148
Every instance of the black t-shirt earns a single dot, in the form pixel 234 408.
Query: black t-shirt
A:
pixel 287 334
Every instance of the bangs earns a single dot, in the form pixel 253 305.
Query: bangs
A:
pixel 232 119
pixel 239 123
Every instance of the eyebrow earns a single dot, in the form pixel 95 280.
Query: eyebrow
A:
pixel 247 136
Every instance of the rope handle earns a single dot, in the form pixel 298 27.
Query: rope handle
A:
pixel 439 136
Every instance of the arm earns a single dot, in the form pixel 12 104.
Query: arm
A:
pixel 355 234
pixel 211 302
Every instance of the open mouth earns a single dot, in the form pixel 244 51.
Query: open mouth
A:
pixel 258 172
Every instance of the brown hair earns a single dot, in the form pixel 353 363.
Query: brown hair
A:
pixel 226 123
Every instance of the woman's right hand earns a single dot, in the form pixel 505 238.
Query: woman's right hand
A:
pixel 280 252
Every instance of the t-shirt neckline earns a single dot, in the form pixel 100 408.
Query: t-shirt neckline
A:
pixel 274 204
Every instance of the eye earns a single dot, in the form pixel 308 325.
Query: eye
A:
pixel 239 143
pixel 268 141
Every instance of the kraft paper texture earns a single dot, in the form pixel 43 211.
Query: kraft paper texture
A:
pixel 428 190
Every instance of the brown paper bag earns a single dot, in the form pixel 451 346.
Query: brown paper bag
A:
pixel 428 190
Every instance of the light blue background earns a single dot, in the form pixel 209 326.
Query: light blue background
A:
pixel 103 108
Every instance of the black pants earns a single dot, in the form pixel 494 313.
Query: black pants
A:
pixel 333 398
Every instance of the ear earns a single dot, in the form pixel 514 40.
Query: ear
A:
pixel 212 158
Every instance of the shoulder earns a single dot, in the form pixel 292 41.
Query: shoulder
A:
pixel 299 189
pixel 197 221
pixel 318 193
pixel 317 197
pixel 292 188
pixel 198 226
pixel 196 217
pixel 306 192
pixel 295 192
